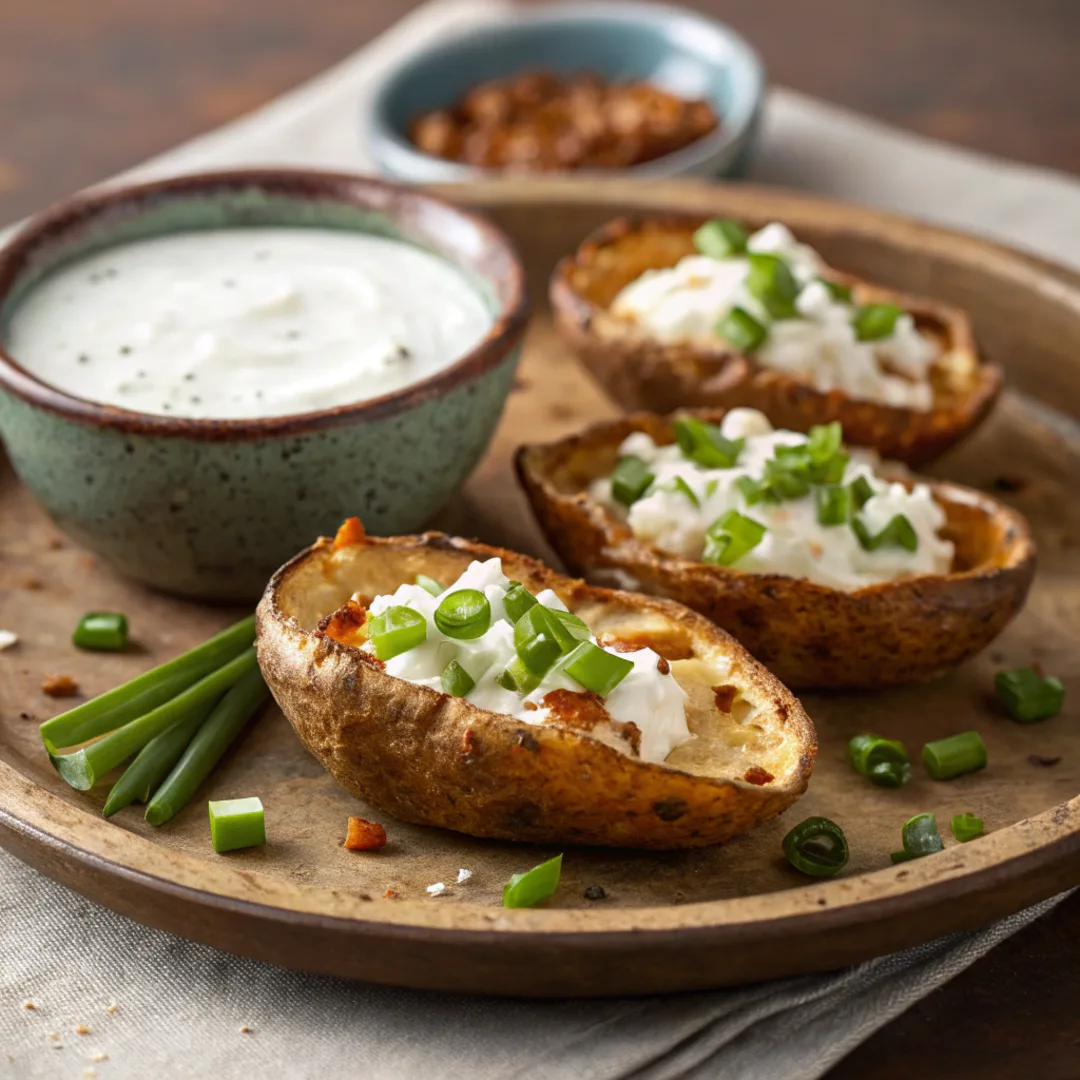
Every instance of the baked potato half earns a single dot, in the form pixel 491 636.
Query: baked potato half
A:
pixel 432 759
pixel 808 635
pixel 642 372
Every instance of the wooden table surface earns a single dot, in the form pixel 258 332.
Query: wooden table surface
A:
pixel 89 89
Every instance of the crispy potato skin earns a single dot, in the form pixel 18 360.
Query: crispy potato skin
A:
pixel 640 372
pixel 432 759
pixel 808 635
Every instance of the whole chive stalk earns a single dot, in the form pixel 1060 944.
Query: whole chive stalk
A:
pixel 147 692
pixel 222 726
pixel 83 768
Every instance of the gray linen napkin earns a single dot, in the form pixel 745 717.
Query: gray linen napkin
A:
pixel 180 1006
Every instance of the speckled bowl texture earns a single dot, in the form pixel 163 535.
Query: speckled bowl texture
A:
pixel 208 508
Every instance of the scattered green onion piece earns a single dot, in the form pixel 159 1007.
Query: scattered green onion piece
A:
pixel 83 768
pixel 518 678
pixel 704 444
pixel 682 486
pixel 229 717
pixel 967 827
pixel 517 601
pixel 954 756
pixel 787 479
pixel 771 281
pixel 817 846
pixel 537 640
pixel 921 837
pixel 630 479
pixel 753 491
pixel 831 471
pixel 840 293
pixel 741 330
pixel 575 626
pixel 101 631
pixel 1028 696
pixel 875 321
pixel 898 533
pixel 456 681
pixel 861 491
pixel 596 669
pixel 720 238
pixel 464 615
pixel 237 823
pixel 883 761
pixel 825 441
pixel 146 692
pixel 901 856
pixel 429 584
pixel 528 889
pixel 398 629
pixel 889 774
pixel 834 504
pixel 731 537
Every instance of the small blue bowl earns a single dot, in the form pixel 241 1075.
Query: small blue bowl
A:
pixel 679 50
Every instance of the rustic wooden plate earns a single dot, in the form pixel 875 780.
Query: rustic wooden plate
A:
pixel 671 921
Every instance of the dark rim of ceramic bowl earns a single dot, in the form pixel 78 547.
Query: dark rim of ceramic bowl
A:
pixel 495 259
pixel 726 136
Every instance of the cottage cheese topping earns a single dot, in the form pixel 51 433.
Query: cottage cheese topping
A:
pixel 689 300
pixel 647 697
pixel 795 542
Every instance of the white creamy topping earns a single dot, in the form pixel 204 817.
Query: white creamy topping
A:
pixel 239 323
pixel 688 301
pixel 795 542
pixel 646 697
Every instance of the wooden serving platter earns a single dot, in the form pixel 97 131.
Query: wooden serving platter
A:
pixel 671 921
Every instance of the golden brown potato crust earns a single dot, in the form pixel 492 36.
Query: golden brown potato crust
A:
pixel 640 372
pixel 432 759
pixel 806 634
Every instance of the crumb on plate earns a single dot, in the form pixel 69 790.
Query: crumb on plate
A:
pixel 463 875
pixel 437 889
pixel 59 686
pixel 7 639
pixel 364 835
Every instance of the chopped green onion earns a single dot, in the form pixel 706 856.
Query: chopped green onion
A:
pixel 101 631
pixel 682 486
pixel 237 823
pixel 898 533
pixel 825 441
pixel 576 626
pixel 831 471
pixel 861 491
pixel 596 669
pixel 518 678
pixel 429 584
pixel 967 827
pixel 741 330
pixel 517 601
pixel 704 444
pixel 840 293
pixel 834 504
pixel 456 681
pixel 875 321
pixel 954 756
pixel 787 478
pixel 1029 696
pixel 537 639
pixel 884 761
pixel 817 846
pixel 398 629
pixel 753 491
pixel 464 615
pixel 731 537
pixel 921 837
pixel 528 889
pixel 720 238
pixel 889 774
pixel 901 856
pixel 771 281
pixel 630 479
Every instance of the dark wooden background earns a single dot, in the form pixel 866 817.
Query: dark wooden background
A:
pixel 88 88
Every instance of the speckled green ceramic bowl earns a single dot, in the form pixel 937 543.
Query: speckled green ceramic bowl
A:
pixel 210 508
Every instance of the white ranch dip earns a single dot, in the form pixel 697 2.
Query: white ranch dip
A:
pixel 243 323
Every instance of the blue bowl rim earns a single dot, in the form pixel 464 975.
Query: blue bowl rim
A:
pixel 725 141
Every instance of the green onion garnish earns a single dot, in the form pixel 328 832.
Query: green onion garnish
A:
pixel 596 669
pixel 840 293
pixel 967 827
pixel 954 756
pixel 517 601
pixel 788 477
pixel 834 504
pixel 817 846
pixel 528 889
pixel 921 837
pixel 720 238
pixel 682 486
pixel 704 444
pixel 1029 696
pixel 537 639
pixel 740 329
pixel 875 321
pixel 429 584
pixel 771 281
pixel 398 629
pixel 730 537
pixel 464 615
pixel 576 626
pixel 237 823
pixel 861 491
pixel 883 761
pixel 630 479
pixel 101 631
pixel 898 533
pixel 753 491
pixel 889 774
pixel 825 441
pixel 456 681
pixel 517 677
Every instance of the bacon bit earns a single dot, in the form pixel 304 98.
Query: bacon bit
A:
pixel 390 894
pixel 663 666
pixel 584 710
pixel 81 1029
pixel 346 625
pixel 364 835
pixel 531 706
pixel 725 698
pixel 672 643
pixel 245 1030
pixel 350 534
pixel 28 1004
pixel 468 742
pixel 757 775
pixel 59 686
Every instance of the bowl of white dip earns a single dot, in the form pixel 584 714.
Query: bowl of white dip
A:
pixel 200 374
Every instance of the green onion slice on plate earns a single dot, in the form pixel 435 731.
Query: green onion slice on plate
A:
pixel 954 756
pixel 883 761
pixel 817 846
pixel 237 823
pixel 1028 696
pixel 529 889
pixel 921 837
pixel 101 631
pixel 967 827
